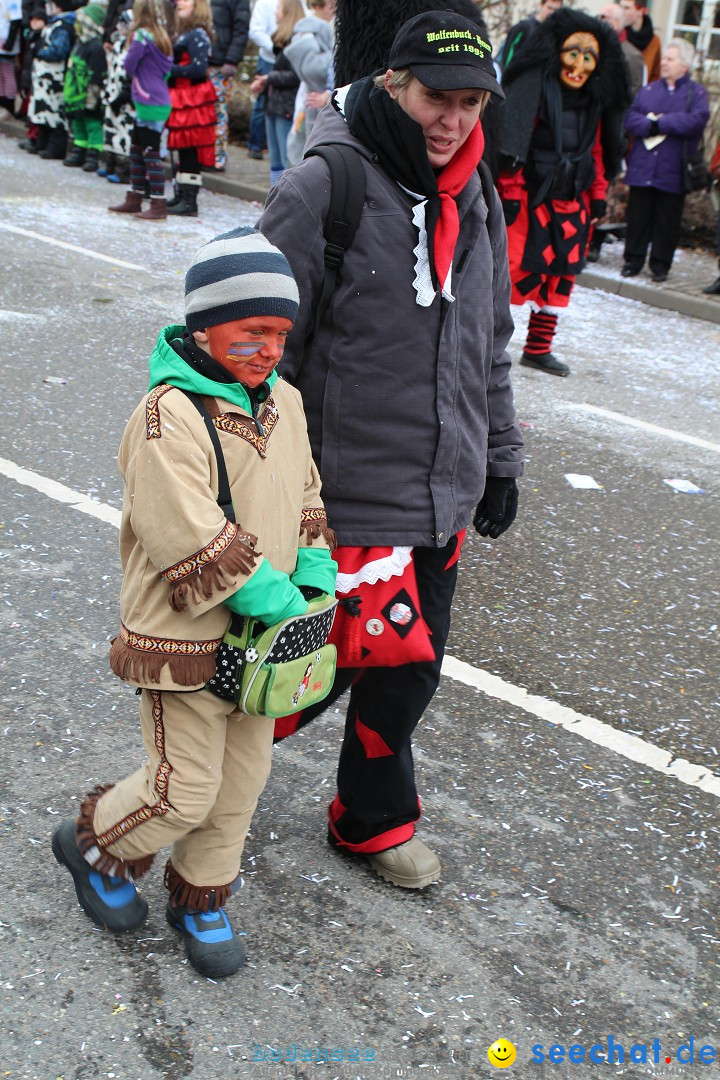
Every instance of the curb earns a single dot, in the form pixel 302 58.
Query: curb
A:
pixel 669 299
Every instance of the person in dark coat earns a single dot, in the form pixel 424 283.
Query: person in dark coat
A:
pixel 231 19
pixel 521 31
pixel 280 86
pixel 406 386
pixel 666 120
pixel 566 92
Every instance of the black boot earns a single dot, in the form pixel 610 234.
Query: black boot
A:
pixel 57 143
pixel 34 146
pixel 176 196
pixel 76 157
pixel 92 160
pixel 187 206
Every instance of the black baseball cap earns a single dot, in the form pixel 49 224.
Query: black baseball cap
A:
pixel 445 51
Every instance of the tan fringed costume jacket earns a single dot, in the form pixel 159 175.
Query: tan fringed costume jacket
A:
pixel 180 556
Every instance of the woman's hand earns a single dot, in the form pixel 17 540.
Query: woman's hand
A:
pixel 258 84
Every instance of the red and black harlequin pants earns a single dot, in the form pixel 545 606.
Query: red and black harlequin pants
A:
pixel 377 803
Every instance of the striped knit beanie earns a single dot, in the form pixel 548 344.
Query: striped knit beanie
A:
pixel 238 275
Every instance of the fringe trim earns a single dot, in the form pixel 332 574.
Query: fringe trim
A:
pixel 201 897
pixel 238 558
pixel 313 530
pixel 142 668
pixel 90 849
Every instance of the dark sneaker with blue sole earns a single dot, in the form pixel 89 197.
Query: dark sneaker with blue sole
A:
pixel 212 946
pixel 110 902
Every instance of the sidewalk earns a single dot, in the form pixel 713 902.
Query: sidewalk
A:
pixel 691 271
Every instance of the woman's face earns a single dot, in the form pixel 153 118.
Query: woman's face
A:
pixel 446 116
pixel 184 9
pixel 578 59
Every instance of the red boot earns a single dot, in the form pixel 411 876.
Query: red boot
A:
pixel 157 211
pixel 132 204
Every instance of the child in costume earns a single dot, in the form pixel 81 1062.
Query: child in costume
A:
pixel 119 113
pixel 147 62
pixel 33 36
pixel 566 91
pixel 186 568
pixel 191 127
pixel 46 108
pixel 83 85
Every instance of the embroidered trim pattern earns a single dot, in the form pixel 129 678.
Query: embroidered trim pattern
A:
pixel 152 411
pixel 170 646
pixel 209 554
pixel 162 782
pixel 233 425
pixel 313 513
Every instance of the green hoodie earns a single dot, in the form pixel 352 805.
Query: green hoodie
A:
pixel 270 594
pixel 166 366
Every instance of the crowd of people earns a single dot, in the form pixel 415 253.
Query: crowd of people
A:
pixel 599 124
pixel 110 87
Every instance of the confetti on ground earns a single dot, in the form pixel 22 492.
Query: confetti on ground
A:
pixel 686 486
pixel 579 480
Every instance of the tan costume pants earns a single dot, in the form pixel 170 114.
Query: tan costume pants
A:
pixel 207 765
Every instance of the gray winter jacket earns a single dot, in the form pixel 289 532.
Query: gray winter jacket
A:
pixel 408 407
pixel 310 51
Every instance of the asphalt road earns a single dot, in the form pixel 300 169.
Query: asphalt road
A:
pixel 577 826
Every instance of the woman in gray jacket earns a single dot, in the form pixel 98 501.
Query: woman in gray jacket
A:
pixel 406 387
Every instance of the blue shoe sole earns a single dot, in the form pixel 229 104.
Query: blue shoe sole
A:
pixel 213 959
pixel 118 918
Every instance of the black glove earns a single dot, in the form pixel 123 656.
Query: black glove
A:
pixel 511 209
pixel 497 509
pixel 654 129
pixel 598 209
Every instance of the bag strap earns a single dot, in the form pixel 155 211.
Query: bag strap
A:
pixel 486 181
pixel 224 497
pixel 347 195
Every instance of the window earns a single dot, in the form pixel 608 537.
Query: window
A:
pixel 699 22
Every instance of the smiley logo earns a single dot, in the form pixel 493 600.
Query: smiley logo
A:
pixel 501 1054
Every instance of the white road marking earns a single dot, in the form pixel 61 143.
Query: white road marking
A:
pixel 596 731
pixel 630 421
pixel 71 247
pixel 587 727
pixel 60 493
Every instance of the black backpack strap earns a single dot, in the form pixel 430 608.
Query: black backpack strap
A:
pixel 487 187
pixel 224 497
pixel 347 195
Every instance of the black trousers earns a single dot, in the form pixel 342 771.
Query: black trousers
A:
pixel 377 800
pixel 653 221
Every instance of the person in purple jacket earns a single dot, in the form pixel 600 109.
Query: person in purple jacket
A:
pixel 666 119
pixel 148 61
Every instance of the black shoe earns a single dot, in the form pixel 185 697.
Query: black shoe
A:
pixel 212 946
pixel 714 289
pixel 186 206
pixel 256 155
pixel 92 160
pixel 545 362
pixel 629 271
pixel 75 158
pixel 659 276
pixel 109 901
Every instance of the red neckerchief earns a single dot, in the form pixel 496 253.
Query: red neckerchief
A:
pixel 451 182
